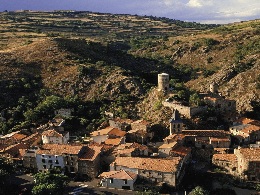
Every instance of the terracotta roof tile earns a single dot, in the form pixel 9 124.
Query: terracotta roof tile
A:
pixel 250 153
pixel 59 149
pixel 51 133
pixel 225 157
pixel 181 150
pixel 91 153
pixel 113 142
pixel 170 145
pixel 122 174
pixel 19 136
pixel 152 164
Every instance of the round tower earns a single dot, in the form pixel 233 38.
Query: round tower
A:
pixel 213 88
pixel 163 82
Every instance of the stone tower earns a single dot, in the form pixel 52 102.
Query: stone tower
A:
pixel 163 82
pixel 213 88
pixel 176 124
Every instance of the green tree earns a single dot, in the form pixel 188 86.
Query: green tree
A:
pixel 194 99
pixel 49 183
pixel 198 190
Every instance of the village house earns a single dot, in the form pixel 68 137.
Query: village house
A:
pixel 165 149
pixel 89 162
pixel 53 137
pixel 122 124
pixel 29 159
pixel 12 138
pixel 64 112
pixel 100 136
pixel 168 171
pixel 179 138
pixel 118 179
pixel 33 140
pixel 228 162
pixel 13 153
pixel 131 150
pixel 206 138
pixel 245 133
pixel 140 132
pixel 248 163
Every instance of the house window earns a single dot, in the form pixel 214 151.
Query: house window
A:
pixel 43 160
pixel 50 161
pixel 43 156
pixel 159 173
pixel 111 180
pixel 56 162
pixel 125 181
pixel 44 166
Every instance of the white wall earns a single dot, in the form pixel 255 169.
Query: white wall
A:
pixel 117 183
pixel 50 161
pixel 100 138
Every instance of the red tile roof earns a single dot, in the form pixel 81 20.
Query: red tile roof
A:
pixel 225 157
pixel 51 133
pixel 109 131
pixel 152 164
pixel 113 142
pixel 90 153
pixel 59 149
pixel 181 151
pixel 122 174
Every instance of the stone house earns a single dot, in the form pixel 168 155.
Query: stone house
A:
pixel 89 162
pixel 64 112
pixel 118 179
pixel 179 138
pixel 205 138
pixel 53 137
pixel 13 153
pixel 248 163
pixel 228 162
pixel 33 140
pixel 156 170
pixel 100 136
pixel 12 138
pixel 140 132
pixel 122 124
pixel 131 150
pixel 165 149
pixel 245 133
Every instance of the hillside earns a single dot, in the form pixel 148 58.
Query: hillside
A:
pixel 96 62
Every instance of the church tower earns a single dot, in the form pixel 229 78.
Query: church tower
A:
pixel 176 124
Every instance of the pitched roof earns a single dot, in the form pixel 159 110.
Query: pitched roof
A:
pixel 225 157
pixel 251 154
pixel 13 150
pixel 170 145
pixel 90 153
pixel 141 122
pixel 117 132
pixel 19 136
pixel 59 149
pixel 113 141
pixel 51 133
pixel 122 174
pixel 181 150
pixel 152 164
pixel 109 131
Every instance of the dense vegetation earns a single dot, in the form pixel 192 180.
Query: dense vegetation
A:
pixel 93 62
